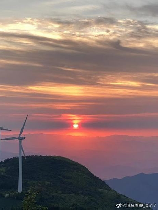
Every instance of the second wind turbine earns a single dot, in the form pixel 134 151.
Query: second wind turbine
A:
pixel 2 129
pixel 21 150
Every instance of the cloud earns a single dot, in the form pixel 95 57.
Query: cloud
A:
pixel 84 23
pixel 47 8
pixel 117 45
pixel 71 54
pixel 146 10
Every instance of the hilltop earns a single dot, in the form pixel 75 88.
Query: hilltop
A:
pixel 60 183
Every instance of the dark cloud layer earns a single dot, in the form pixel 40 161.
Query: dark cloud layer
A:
pixel 125 123
pixel 46 65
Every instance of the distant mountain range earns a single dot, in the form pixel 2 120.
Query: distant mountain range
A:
pixel 55 183
pixel 141 187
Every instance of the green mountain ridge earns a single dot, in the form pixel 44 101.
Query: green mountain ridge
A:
pixel 59 183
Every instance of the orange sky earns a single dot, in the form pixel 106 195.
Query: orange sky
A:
pixel 62 71
pixel 88 62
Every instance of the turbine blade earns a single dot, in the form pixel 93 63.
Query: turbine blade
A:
pixel 22 129
pixel 23 150
pixel 4 129
pixel 11 138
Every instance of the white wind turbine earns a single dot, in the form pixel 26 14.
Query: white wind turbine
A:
pixel 2 129
pixel 21 150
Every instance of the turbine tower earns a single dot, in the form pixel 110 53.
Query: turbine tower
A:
pixel 2 129
pixel 21 150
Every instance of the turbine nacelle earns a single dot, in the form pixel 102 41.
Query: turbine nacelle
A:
pixel 21 138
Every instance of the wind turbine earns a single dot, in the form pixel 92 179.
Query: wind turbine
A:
pixel 21 150
pixel 2 129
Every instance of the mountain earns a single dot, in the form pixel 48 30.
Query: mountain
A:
pixel 55 183
pixel 141 187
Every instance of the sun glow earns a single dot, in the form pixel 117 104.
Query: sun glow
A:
pixel 75 126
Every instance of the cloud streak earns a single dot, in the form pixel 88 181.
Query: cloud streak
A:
pixel 82 67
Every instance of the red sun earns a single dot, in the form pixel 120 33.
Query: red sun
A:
pixel 75 126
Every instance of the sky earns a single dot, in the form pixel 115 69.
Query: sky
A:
pixel 93 63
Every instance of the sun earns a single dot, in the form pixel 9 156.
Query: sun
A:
pixel 75 126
